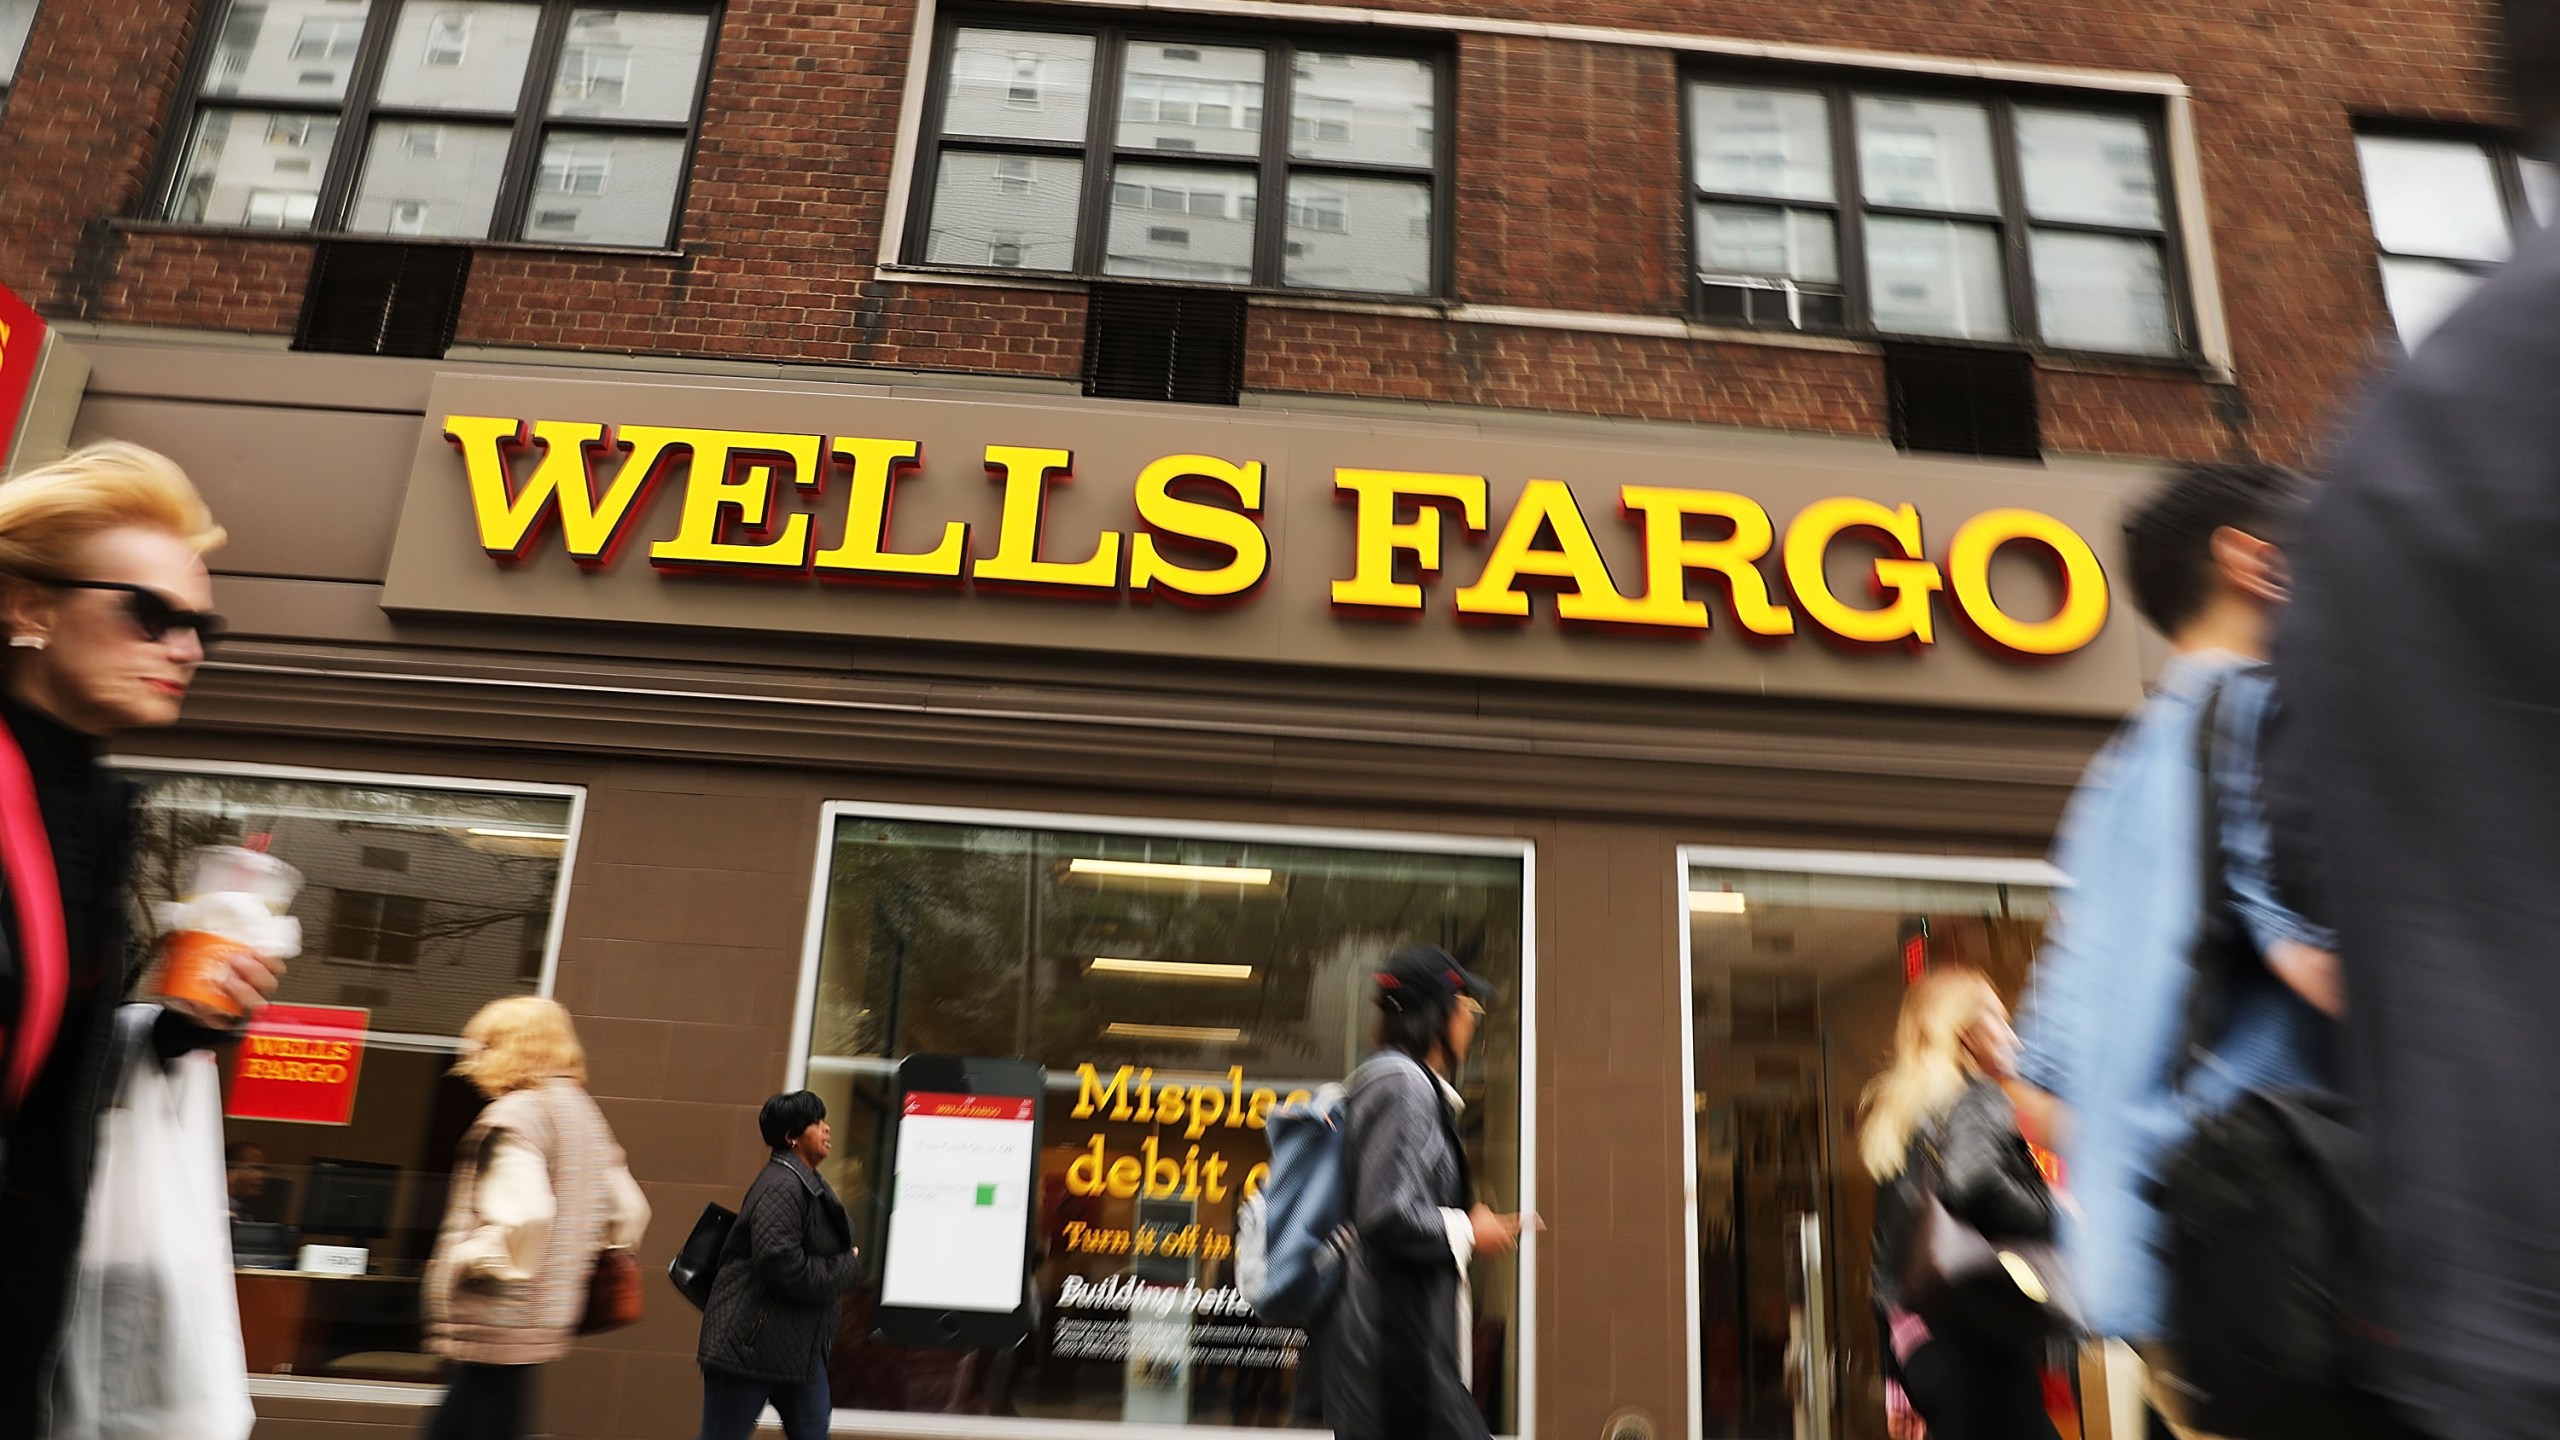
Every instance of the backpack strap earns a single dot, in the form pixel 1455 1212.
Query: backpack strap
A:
pixel 44 949
pixel 2220 935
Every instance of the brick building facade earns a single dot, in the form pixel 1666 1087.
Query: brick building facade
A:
pixel 1567 206
pixel 1822 271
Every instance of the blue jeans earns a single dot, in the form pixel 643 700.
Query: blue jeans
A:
pixel 732 1403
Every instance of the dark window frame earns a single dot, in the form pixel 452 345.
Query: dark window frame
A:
pixel 356 113
pixel 2506 161
pixel 1849 207
pixel 1100 153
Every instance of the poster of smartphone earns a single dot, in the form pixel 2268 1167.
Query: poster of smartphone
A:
pixel 964 1176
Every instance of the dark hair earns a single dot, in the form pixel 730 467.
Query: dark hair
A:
pixel 238 1150
pixel 2533 71
pixel 1413 1024
pixel 785 1116
pixel 2169 541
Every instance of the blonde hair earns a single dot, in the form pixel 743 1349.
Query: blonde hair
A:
pixel 521 1041
pixel 47 513
pixel 1930 1068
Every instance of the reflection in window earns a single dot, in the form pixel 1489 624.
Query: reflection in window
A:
pixel 1795 981
pixel 2446 213
pixel 1126 963
pixel 412 969
pixel 628 80
pixel 1362 126
pixel 17 18
pixel 1932 222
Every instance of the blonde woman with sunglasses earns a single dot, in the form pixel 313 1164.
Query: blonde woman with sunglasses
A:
pixel 106 604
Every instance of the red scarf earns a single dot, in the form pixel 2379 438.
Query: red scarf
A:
pixel 44 951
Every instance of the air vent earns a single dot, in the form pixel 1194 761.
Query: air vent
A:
pixel 367 299
pixel 1150 343
pixel 1955 400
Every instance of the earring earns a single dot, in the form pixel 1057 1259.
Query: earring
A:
pixel 27 642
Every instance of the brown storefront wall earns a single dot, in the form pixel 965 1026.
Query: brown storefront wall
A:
pixel 706 761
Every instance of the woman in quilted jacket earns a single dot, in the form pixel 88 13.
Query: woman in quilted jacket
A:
pixel 779 1294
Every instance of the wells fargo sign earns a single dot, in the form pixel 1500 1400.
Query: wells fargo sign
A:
pixel 299 1063
pixel 1816 568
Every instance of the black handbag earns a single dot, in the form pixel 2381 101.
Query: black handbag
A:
pixel 2009 1295
pixel 697 1261
pixel 2264 1220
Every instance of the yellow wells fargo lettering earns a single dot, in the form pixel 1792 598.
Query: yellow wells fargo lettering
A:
pixel 1196 535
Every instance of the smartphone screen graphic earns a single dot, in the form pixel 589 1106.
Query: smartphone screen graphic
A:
pixel 963 1202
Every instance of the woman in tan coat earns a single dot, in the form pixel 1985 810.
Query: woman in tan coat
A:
pixel 539 1190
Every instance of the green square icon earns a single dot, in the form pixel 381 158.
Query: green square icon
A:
pixel 986 1196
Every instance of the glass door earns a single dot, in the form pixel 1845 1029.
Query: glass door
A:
pixel 1796 966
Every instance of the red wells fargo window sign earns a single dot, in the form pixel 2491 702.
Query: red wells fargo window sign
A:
pixel 299 1063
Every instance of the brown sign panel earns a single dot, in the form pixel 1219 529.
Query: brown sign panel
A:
pixel 1805 568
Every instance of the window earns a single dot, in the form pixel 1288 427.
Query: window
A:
pixel 1961 217
pixel 17 17
pixel 448 39
pixel 375 1178
pixel 2447 211
pixel 1794 980
pixel 1114 120
pixel 439 133
pixel 328 37
pixel 1133 953
pixel 376 929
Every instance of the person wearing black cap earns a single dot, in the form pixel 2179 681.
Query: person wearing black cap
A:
pixel 1398 1344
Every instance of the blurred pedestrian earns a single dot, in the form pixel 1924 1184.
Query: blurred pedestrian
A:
pixel 779 1294
pixel 1938 1124
pixel 2107 1017
pixel 539 1191
pixel 2418 781
pixel 1398 1347
pixel 106 601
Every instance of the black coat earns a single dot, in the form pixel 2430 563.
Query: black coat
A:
pixel 46 1146
pixel 1391 1345
pixel 1984 1174
pixel 2415 785
pixel 779 1296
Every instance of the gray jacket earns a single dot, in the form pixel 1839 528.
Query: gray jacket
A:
pixel 1391 1345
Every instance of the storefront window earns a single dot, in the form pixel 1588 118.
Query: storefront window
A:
pixel 1228 965
pixel 1795 979
pixel 420 904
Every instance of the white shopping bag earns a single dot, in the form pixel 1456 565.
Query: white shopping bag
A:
pixel 152 1351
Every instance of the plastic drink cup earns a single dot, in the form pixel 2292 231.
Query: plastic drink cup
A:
pixel 232 896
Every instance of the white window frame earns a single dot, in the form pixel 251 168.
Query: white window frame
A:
pixel 1883 865
pixel 391 1392
pixel 804 1015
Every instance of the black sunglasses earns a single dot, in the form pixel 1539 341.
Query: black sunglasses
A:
pixel 150 612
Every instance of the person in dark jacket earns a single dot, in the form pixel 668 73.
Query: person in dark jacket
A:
pixel 104 595
pixel 1398 1352
pixel 1937 1119
pixel 780 1292
pixel 2413 784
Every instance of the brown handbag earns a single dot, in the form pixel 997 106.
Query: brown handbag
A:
pixel 613 1292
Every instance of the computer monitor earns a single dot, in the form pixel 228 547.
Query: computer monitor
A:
pixel 353 1198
